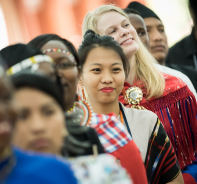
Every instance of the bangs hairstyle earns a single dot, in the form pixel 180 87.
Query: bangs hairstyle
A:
pixel 41 40
pixel 92 40
pixel 146 71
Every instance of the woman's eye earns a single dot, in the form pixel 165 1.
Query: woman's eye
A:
pixel 140 34
pixel 48 112
pixel 96 70
pixel 161 30
pixel 116 69
pixel 126 25
pixel 112 32
pixel 22 116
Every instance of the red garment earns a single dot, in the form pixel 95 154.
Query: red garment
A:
pixel 188 179
pixel 119 143
pixel 177 110
pixel 130 158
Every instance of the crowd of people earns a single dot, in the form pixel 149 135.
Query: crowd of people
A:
pixel 119 110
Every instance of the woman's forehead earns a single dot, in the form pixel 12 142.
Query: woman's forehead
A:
pixel 137 21
pixel 54 44
pixel 101 55
pixel 109 19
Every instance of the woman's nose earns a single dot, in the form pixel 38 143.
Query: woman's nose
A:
pixel 107 78
pixel 124 32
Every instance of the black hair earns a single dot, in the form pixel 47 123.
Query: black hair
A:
pixel 92 40
pixel 131 11
pixel 41 40
pixel 40 82
pixel 193 6
pixel 16 53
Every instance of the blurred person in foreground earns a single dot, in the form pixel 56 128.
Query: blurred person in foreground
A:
pixel 140 27
pixel 19 167
pixel 183 55
pixel 26 58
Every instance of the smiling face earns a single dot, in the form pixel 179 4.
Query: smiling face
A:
pixel 7 114
pixel 40 123
pixel 103 75
pixel 69 73
pixel 116 25
pixel 158 39
pixel 138 23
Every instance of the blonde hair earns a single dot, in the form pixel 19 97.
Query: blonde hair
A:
pixel 146 70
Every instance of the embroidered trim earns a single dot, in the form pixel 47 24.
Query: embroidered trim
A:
pixel 59 50
pixel 28 63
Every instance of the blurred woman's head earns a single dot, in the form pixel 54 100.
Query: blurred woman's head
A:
pixel 41 123
pixel 7 113
pixel 66 60
pixel 104 68
pixel 21 57
pixel 111 20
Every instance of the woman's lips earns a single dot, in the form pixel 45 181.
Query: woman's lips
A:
pixel 40 143
pixel 158 48
pixel 127 42
pixel 107 90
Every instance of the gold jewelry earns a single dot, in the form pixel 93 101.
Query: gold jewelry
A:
pixel 71 109
pixel 134 96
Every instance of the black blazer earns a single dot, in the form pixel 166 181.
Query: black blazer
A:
pixel 181 57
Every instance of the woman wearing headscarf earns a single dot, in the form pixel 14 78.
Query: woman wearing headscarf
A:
pixel 21 58
pixel 21 167
pixel 40 127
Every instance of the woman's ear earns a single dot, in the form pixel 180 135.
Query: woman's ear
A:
pixel 79 72
pixel 80 82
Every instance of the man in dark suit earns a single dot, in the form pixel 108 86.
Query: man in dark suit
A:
pixel 183 55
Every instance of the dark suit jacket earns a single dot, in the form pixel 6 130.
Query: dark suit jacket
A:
pixel 181 57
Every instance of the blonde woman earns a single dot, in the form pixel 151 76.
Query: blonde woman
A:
pixel 165 95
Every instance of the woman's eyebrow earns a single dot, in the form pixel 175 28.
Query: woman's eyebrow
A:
pixel 96 64
pixel 62 58
pixel 47 105
pixel 117 64
pixel 114 25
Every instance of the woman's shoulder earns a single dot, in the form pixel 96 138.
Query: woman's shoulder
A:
pixel 142 118
pixel 138 114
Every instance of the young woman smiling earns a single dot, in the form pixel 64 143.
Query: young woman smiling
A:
pixel 104 69
pixel 163 94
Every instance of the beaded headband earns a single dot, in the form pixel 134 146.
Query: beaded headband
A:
pixel 59 50
pixel 28 63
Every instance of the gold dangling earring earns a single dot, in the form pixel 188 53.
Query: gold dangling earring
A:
pixel 83 93
pixel 124 95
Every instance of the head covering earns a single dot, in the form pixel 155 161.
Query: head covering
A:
pixel 41 40
pixel 20 56
pixel 143 10
pixel 39 82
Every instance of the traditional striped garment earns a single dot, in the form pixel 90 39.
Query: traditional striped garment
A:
pixel 177 110
pixel 155 147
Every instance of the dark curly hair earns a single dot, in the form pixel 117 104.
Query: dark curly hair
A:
pixel 41 40
pixel 93 40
